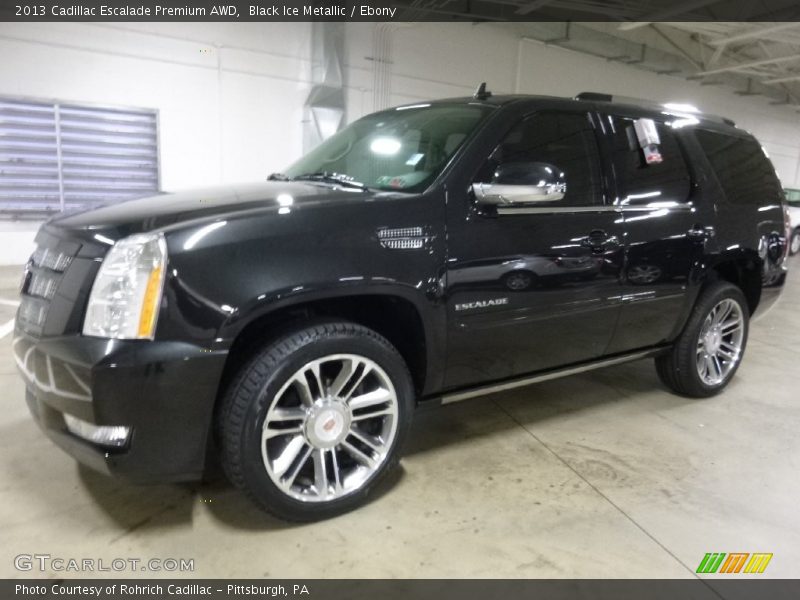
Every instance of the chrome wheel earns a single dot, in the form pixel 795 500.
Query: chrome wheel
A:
pixel 329 428
pixel 719 346
pixel 795 244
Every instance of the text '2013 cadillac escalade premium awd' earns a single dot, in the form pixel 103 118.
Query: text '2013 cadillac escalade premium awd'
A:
pixel 427 253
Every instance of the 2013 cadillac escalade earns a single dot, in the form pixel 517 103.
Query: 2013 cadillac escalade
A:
pixel 428 253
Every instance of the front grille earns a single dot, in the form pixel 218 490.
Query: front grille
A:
pixel 51 259
pixel 43 276
pixel 32 313
pixel 43 284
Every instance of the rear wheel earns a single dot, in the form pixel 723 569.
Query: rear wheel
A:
pixel 706 356
pixel 315 420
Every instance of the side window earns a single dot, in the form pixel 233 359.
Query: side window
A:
pixel 563 143
pixel 640 183
pixel 742 168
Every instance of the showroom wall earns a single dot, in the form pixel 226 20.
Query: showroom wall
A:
pixel 230 96
pixel 427 64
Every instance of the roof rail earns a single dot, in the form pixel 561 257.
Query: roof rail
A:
pixel 601 97
pixel 594 97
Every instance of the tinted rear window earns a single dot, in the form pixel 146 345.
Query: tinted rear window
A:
pixel 642 183
pixel 742 168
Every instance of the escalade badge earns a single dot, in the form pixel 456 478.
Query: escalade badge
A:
pixel 482 304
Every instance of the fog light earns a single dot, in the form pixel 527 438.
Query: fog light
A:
pixel 115 435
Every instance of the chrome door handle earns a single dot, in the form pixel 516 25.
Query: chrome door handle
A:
pixel 599 240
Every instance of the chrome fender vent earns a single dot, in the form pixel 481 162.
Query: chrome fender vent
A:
pixel 403 238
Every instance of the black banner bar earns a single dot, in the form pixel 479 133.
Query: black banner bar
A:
pixel 427 589
pixel 394 10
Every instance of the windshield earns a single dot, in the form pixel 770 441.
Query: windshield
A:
pixel 401 149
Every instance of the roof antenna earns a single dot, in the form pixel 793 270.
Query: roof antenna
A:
pixel 481 93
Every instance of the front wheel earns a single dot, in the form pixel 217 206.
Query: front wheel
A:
pixel 315 420
pixel 707 354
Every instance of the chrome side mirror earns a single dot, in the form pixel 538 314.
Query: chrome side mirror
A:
pixel 522 183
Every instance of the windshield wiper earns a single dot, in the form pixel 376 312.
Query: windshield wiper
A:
pixel 327 177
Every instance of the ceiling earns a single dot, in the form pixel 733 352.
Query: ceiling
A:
pixel 751 58
pixel 760 56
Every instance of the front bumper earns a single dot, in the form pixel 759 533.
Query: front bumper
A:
pixel 164 391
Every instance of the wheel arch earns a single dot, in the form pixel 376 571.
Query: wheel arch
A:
pixel 745 271
pixel 392 312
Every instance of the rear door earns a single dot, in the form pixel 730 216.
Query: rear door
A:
pixel 533 285
pixel 667 226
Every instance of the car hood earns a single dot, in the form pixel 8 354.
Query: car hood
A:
pixel 173 210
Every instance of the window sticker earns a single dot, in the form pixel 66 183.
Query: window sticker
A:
pixel 652 156
pixel 405 180
pixel 649 140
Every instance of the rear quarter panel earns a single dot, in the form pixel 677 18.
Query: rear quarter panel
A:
pixel 751 231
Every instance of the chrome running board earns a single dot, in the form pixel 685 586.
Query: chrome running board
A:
pixel 451 397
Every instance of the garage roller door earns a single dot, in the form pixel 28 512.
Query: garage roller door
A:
pixel 56 157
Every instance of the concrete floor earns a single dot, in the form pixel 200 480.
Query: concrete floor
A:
pixel 599 475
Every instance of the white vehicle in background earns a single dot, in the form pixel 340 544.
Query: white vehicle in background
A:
pixel 793 197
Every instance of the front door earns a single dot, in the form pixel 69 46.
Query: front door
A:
pixel 532 280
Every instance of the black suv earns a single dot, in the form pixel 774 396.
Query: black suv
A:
pixel 428 253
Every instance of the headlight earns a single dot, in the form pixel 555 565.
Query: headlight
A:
pixel 127 290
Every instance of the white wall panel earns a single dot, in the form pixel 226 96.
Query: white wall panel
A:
pixel 229 96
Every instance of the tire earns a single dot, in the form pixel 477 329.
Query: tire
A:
pixel 289 445
pixel 794 244
pixel 692 366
